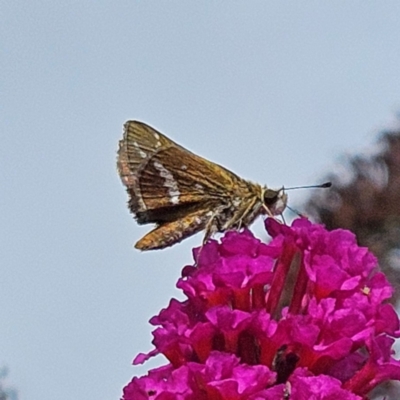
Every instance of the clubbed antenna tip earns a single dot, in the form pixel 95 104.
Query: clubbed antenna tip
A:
pixel 322 186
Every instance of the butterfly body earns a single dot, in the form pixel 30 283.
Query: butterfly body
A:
pixel 183 193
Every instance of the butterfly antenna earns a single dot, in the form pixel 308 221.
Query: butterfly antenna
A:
pixel 322 186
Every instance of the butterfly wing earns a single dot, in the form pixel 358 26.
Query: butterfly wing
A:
pixel 166 181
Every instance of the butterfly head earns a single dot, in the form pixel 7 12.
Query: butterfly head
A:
pixel 274 200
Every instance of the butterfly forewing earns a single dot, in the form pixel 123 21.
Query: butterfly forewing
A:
pixel 159 173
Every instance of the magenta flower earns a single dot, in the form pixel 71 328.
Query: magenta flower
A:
pixel 303 317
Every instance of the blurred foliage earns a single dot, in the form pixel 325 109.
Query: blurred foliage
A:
pixel 365 198
pixel 6 392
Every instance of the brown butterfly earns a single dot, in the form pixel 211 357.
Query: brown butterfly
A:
pixel 182 193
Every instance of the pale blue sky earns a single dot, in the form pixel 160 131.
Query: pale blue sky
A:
pixel 274 91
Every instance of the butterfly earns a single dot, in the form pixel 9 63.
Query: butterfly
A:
pixel 183 193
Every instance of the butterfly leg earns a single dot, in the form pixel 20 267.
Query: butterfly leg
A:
pixel 268 211
pixel 215 224
pixel 211 228
pixel 244 216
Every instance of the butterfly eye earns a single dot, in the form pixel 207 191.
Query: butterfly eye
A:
pixel 270 197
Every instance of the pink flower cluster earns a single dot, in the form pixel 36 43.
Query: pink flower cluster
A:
pixel 303 317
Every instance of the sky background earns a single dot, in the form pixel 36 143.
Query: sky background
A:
pixel 273 90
